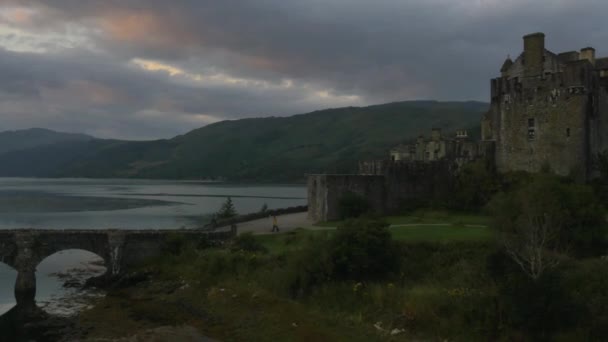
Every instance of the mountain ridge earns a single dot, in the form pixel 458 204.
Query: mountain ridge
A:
pixel 252 149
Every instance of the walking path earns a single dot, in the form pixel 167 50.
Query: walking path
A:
pixel 286 223
pixel 290 222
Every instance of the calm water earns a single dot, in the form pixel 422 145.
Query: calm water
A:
pixel 120 204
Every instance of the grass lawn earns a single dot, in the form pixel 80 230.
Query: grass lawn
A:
pixel 428 217
pixel 413 232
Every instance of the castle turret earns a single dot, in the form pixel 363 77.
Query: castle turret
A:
pixel 588 53
pixel 534 52
pixel 505 67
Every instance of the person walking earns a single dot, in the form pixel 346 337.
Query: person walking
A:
pixel 275 225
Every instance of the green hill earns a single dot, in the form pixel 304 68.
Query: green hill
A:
pixel 262 149
pixel 35 137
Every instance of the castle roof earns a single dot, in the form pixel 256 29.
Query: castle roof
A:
pixel 506 65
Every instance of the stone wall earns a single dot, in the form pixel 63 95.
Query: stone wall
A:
pixel 407 182
pixel 548 110
pixel 255 216
pixel 389 186
pixel 325 192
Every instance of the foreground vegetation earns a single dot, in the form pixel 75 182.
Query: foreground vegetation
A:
pixel 531 270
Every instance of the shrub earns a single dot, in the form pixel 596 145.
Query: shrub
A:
pixel 352 205
pixel 362 249
pixel 175 243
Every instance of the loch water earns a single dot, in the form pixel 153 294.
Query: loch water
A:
pixel 113 204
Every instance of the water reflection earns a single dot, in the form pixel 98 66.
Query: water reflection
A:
pixel 60 295
pixel 8 276
pixel 61 278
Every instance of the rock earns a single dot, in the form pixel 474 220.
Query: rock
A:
pixel 397 331
pixel 378 326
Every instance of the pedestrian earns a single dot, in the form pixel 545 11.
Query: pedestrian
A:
pixel 275 225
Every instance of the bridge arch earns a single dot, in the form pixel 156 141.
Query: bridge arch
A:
pixel 61 274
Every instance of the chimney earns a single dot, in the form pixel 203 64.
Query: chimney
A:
pixel 534 52
pixel 588 53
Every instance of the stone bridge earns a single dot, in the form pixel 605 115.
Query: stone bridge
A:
pixel 23 250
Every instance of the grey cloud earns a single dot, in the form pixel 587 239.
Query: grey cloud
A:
pixel 380 51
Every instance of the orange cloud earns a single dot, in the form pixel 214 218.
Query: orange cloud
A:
pixel 147 27
pixel 17 15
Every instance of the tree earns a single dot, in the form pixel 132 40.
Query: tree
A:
pixel 542 221
pixel 476 183
pixel 227 210
pixel 264 208
pixel 530 223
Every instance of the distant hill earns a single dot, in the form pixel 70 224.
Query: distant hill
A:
pixel 259 149
pixel 34 137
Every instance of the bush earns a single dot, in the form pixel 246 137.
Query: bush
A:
pixel 352 205
pixel 248 243
pixel 587 280
pixel 363 249
pixel 175 243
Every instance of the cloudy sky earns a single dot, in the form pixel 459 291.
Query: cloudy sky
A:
pixel 141 69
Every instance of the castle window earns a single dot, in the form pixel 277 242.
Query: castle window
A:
pixel 568 132
pixel 531 129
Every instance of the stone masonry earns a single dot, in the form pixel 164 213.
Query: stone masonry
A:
pixel 549 110
pixel 25 249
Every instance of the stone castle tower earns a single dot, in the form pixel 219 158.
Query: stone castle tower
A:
pixel 549 110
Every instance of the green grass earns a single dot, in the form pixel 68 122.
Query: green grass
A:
pixel 423 232
pixel 447 233
pixel 427 217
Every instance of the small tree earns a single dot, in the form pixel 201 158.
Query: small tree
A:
pixel 227 210
pixel 545 219
pixel 264 208
pixel 530 223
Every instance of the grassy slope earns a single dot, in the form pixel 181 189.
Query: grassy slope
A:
pixel 231 296
pixel 259 149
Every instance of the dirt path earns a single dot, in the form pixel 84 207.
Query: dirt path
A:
pixel 286 223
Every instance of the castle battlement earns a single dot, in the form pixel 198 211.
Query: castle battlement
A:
pixel 549 109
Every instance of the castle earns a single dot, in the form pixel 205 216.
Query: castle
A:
pixel 547 111
pixel 460 149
